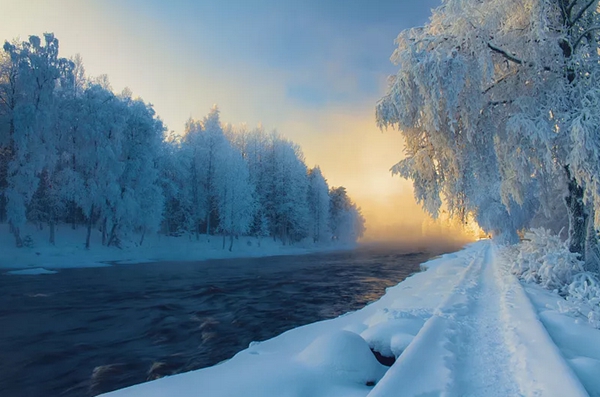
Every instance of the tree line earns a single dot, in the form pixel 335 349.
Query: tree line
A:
pixel 74 152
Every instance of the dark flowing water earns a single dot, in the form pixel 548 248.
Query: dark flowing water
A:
pixel 83 332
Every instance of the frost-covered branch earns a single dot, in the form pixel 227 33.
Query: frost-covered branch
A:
pixel 581 12
pixel 566 9
pixel 583 35
pixel 500 80
pixel 497 103
pixel 510 57
pixel 505 54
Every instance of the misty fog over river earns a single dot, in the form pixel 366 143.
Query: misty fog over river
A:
pixel 82 332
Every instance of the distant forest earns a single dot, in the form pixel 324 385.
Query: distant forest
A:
pixel 74 152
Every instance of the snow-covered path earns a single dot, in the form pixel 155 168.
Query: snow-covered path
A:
pixel 463 328
pixel 483 360
pixel 484 340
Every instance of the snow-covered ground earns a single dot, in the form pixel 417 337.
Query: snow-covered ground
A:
pixel 70 251
pixel 464 327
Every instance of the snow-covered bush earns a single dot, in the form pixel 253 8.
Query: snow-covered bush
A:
pixel 584 293
pixel 543 258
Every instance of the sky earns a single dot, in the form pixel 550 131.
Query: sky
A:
pixel 312 69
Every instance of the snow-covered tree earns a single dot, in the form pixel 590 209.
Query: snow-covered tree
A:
pixel 254 146
pixel 345 219
pixel 174 178
pixel 29 142
pixel 72 151
pixel 286 207
pixel 94 166
pixel 318 205
pixel 235 197
pixel 139 206
pixel 214 154
pixel 7 100
pixel 206 147
pixel 279 176
pixel 496 101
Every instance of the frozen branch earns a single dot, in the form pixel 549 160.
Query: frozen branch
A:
pixel 590 30
pixel 505 54
pixel 581 12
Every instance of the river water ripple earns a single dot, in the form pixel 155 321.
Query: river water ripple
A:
pixel 82 332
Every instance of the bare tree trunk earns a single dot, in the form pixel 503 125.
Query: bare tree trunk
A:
pixel 52 232
pixel 224 237
pixel 577 217
pixel 89 228
pixel 2 208
pixel 71 217
pixel 17 233
pixel 18 239
pixel 208 226
pixel 282 233
pixel 143 235
pixel 104 232
pixel 592 250
pixel 113 235
pixel 230 242
pixel 317 222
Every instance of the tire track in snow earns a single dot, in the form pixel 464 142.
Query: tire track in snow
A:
pixel 483 361
pixel 425 368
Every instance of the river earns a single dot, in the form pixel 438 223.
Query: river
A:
pixel 82 332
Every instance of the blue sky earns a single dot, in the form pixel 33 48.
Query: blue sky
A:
pixel 313 70
pixel 321 52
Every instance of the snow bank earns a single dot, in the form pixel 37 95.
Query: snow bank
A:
pixel 578 341
pixel 566 300
pixel 345 355
pixel 463 327
pixel 70 251
pixel 330 358
pixel 31 272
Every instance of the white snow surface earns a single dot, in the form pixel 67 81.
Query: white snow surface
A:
pixel 31 272
pixel 464 327
pixel 69 250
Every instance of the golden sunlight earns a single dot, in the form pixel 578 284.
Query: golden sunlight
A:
pixel 353 152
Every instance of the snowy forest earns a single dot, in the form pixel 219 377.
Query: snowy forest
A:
pixel 499 106
pixel 73 152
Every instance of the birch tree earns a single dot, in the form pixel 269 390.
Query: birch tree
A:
pixel 29 142
pixel 495 101
pixel 235 197
pixel 318 205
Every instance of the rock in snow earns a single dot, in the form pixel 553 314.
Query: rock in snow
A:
pixel 343 354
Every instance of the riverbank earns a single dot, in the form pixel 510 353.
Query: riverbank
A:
pixel 82 332
pixel 69 249
pixel 520 342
